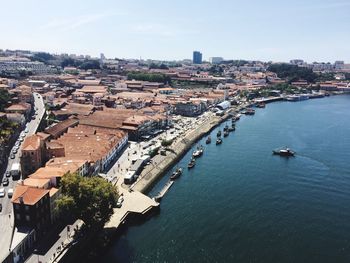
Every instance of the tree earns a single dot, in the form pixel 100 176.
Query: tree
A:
pixel 42 57
pixel 90 64
pixel 152 77
pixel 90 199
pixel 4 99
pixel 293 72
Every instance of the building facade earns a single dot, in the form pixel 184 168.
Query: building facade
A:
pixel 197 57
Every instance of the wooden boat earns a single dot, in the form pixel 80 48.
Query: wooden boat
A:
pixel 260 105
pixel 208 140
pixel 226 133
pixel 249 111
pixel 192 163
pixel 176 174
pixel 218 141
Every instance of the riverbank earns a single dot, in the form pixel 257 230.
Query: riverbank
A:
pixel 179 147
pixel 274 205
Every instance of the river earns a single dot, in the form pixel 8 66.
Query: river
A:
pixel 242 204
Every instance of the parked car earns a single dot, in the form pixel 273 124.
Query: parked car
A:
pixel 10 193
pixel 12 156
pixel 2 192
pixel 7 174
pixel 26 130
pixel 120 201
pixel 0 207
pixel 5 182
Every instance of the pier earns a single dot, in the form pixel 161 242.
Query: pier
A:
pixel 135 203
pixel 164 190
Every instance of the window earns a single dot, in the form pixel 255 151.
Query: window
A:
pixel 27 208
pixel 27 218
pixel 18 216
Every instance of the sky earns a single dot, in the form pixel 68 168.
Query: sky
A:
pixel 267 30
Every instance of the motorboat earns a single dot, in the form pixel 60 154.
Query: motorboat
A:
pixel 198 152
pixel 176 174
pixel 284 152
pixel 192 163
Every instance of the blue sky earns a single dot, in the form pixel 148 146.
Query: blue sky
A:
pixel 314 30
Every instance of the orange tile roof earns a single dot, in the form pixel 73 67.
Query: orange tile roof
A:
pixel 31 143
pixel 36 182
pixel 30 195
pixel 49 172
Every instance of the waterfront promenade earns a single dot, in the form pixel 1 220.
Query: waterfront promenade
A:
pixel 161 163
pixel 135 201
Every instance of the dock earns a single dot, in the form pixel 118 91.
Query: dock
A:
pixel 135 203
pixel 162 192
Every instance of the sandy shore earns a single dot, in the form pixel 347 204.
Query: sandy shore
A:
pixel 179 147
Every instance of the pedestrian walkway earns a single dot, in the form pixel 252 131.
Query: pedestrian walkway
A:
pixel 49 255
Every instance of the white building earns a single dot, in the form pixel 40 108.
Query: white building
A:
pixel 215 60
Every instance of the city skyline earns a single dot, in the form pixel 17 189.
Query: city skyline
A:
pixel 272 31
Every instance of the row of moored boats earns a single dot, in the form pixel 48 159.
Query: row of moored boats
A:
pixel 198 152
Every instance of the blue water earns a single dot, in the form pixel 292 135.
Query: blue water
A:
pixel 242 204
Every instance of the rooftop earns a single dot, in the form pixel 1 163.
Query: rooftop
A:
pixel 30 195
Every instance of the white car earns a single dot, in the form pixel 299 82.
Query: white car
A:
pixel 120 201
pixel 10 193
pixel 2 192
pixel 26 130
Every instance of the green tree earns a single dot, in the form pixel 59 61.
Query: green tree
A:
pixel 4 99
pixel 90 199
pixel 292 72
pixel 90 64
pixel 42 57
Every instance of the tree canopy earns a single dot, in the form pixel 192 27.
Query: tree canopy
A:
pixel 152 77
pixel 90 199
pixel 4 99
pixel 293 72
pixel 156 66
pixel 42 57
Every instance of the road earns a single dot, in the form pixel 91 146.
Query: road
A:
pixel 6 215
pixel 137 150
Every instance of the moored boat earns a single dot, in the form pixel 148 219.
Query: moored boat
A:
pixel 249 111
pixel 297 97
pixel 176 174
pixel 218 141
pixel 260 105
pixel 231 129
pixel 208 140
pixel 218 134
pixel 226 133
pixel 192 163
pixel 198 152
pixel 284 152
